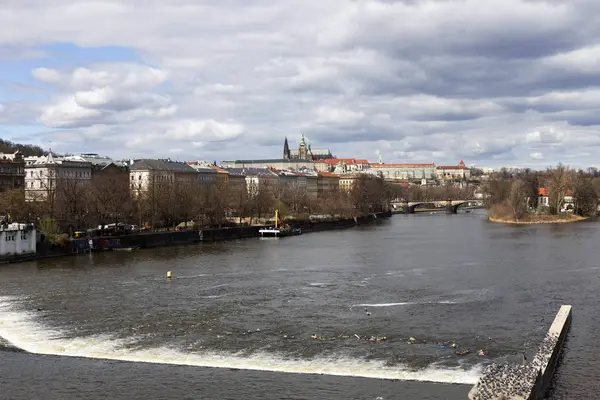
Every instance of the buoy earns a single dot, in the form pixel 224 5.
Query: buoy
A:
pixel 169 275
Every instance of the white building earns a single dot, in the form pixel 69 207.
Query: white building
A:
pixel 17 239
pixel 257 178
pixel 453 172
pixel 43 174
pixel 403 172
pixel 146 173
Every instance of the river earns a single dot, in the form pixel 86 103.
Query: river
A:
pixel 110 325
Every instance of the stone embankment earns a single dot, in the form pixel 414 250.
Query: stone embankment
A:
pixel 526 382
pixel 160 239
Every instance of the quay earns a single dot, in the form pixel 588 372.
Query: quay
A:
pixel 530 381
pixel 173 238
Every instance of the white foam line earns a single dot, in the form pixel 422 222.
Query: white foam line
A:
pixel 409 303
pixel 23 331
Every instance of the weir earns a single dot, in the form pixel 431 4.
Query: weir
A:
pixel 531 381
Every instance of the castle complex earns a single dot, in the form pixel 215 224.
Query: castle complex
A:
pixel 305 152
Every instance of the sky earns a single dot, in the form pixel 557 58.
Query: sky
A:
pixel 493 83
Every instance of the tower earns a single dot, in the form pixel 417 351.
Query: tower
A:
pixel 380 159
pixel 286 150
pixel 302 153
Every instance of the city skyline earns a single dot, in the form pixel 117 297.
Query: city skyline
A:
pixel 511 84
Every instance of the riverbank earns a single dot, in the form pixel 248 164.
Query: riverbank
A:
pixel 543 219
pixel 173 238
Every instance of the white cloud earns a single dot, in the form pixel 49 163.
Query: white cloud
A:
pixel 536 155
pixel 338 116
pixel 205 131
pixel 453 80
pixel 46 75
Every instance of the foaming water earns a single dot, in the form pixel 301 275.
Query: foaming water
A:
pixel 407 303
pixel 20 329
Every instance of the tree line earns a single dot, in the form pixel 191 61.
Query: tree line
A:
pixel 28 150
pixel 515 195
pixel 80 205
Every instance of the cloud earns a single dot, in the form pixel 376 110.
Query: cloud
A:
pixel 416 80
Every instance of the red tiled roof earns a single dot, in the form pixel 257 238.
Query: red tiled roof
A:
pixel 452 167
pixel 333 161
pixel 330 174
pixel 544 192
pixel 401 165
pixel 218 169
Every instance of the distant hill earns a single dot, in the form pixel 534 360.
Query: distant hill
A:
pixel 28 150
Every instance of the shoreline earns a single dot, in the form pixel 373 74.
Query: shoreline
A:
pixel 540 222
pixel 174 238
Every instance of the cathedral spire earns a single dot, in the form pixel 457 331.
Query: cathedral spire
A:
pixel 286 150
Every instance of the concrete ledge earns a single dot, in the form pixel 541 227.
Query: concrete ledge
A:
pixel 526 382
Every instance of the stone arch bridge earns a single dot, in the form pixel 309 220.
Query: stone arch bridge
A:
pixel 451 206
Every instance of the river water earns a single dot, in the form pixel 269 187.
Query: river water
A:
pixel 249 307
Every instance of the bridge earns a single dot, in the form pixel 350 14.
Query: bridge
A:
pixel 451 206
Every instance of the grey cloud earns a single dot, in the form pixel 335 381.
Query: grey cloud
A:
pixel 450 79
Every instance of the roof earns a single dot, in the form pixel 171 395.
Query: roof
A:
pixel 452 167
pixel 328 174
pixel 401 165
pixel 333 161
pixel 274 160
pixel 218 169
pixel 93 159
pixel 160 165
pixel 251 171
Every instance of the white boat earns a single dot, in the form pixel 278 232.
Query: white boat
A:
pixel 276 231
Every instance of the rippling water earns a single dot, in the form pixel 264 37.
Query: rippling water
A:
pixel 252 305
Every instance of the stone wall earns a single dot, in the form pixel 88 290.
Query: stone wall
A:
pixel 531 381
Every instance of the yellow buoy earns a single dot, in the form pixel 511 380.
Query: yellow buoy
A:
pixel 169 275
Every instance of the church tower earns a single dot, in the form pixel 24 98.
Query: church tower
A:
pixel 302 149
pixel 286 150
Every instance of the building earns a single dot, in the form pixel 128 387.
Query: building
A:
pixel 17 239
pixel 276 163
pixel 45 174
pixel 568 203
pixel 326 183
pixel 207 175
pixel 256 178
pixel 236 179
pixel 453 172
pixel 105 169
pixel 404 172
pixel 12 171
pixel 305 152
pixel 145 174
pixel 341 165
pixel 222 175
pixel 347 180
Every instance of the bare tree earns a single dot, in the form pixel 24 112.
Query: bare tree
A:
pixel 517 199
pixel 559 179
pixel 585 196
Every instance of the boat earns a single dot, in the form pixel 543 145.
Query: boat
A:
pixel 279 230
